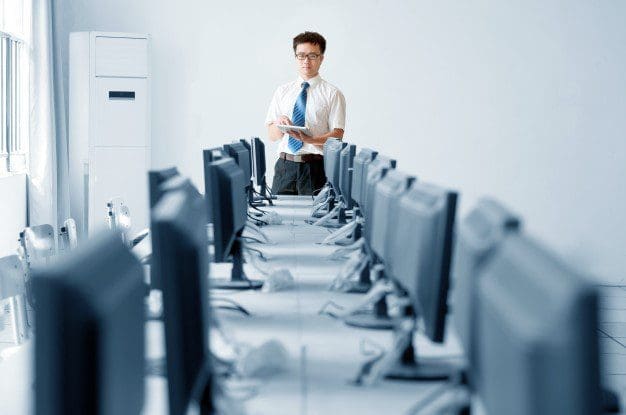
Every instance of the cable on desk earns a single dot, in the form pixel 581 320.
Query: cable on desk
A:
pixel 233 305
pixel 256 220
pixel 251 239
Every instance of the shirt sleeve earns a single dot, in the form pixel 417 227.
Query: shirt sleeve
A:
pixel 273 112
pixel 337 114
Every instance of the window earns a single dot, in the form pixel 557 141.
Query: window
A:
pixel 14 85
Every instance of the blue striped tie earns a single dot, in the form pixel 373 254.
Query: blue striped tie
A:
pixel 299 110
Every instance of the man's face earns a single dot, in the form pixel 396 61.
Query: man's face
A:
pixel 308 67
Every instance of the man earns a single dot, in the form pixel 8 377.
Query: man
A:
pixel 309 102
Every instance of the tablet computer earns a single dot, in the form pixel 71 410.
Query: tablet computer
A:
pixel 286 128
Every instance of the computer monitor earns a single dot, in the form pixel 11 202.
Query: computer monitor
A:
pixel 538 334
pixel 421 252
pixel 332 163
pixel 89 347
pixel 241 154
pixel 361 160
pixel 208 156
pixel 258 163
pixel 372 173
pixel 419 259
pixel 229 218
pixel 180 259
pixel 228 201
pixel 479 237
pixel 247 145
pixel 171 185
pixel 387 192
pixel 155 178
pixel 346 161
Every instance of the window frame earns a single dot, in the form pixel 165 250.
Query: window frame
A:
pixel 14 104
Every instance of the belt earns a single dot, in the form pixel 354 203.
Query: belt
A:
pixel 302 158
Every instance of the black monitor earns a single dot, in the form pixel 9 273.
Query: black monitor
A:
pixel 228 200
pixel 208 156
pixel 229 207
pixel 173 184
pixel 479 237
pixel 258 162
pixel 180 259
pixel 538 334
pixel 247 145
pixel 361 160
pixel 345 174
pixel 420 255
pixel 155 178
pixel 241 154
pixel 89 347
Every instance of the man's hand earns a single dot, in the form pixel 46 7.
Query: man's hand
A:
pixel 273 132
pixel 283 120
pixel 302 137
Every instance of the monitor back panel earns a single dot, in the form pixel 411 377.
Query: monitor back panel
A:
pixel 537 342
pixel 479 236
pixel 155 178
pixel 229 205
pixel 89 348
pixel 421 252
pixel 345 174
pixel 242 156
pixel 180 256
pixel 385 200
pixel 258 161
pixel 361 160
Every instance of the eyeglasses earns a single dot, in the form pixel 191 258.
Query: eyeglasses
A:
pixel 311 56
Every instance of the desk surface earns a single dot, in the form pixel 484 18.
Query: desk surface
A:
pixel 324 354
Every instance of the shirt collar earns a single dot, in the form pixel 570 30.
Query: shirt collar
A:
pixel 312 82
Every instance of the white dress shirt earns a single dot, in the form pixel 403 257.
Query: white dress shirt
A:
pixel 325 110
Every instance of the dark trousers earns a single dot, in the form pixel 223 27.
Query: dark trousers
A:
pixel 291 178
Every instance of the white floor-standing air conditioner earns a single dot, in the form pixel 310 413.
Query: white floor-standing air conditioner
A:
pixel 109 127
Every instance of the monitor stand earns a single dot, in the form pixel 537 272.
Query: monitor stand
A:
pixel 364 283
pixel 378 320
pixel 253 200
pixel 404 364
pixel 238 279
pixel 265 192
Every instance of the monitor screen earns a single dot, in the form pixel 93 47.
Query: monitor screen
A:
pixel 385 197
pixel 345 174
pixel 421 252
pixel 258 161
pixel 89 347
pixel 479 236
pixel 241 154
pixel 155 178
pixel 361 160
pixel 228 198
pixel 537 343
pixel 180 259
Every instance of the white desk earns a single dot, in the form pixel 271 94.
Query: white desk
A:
pixel 323 353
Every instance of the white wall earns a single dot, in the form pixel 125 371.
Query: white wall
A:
pixel 522 100
pixel 12 212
